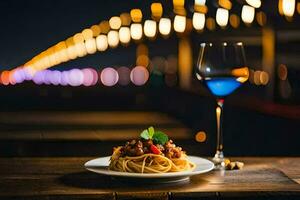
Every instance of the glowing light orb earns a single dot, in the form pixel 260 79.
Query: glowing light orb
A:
pixel 179 23
pixel 165 26
pixel 5 77
pixel 254 3
pixel 91 46
pixel 113 38
pixel 47 76
pixel 101 42
pixel 222 17
pixel 200 2
pixel 288 7
pixel 150 28
pixel 248 14
pixel 39 77
pixel 29 73
pixel 95 76
pixel 199 21
pixel 115 22
pixel 12 81
pixel 139 75
pixel 55 77
pixel 75 77
pixel 124 34
pixel 88 77
pixel 19 75
pixel 136 31
pixel 109 77
pixel 64 79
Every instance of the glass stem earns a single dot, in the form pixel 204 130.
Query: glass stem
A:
pixel 219 115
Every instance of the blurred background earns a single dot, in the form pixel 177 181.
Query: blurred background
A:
pixel 78 77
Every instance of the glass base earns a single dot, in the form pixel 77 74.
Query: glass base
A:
pixel 219 160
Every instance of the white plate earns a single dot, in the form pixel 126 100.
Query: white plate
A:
pixel 100 166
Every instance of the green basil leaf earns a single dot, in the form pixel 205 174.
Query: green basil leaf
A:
pixel 160 138
pixel 151 132
pixel 145 134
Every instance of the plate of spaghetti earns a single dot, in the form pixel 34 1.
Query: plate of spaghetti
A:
pixel 152 156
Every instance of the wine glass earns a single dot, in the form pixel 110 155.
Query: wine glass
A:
pixel 222 69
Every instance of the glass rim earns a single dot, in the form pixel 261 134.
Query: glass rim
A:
pixel 203 44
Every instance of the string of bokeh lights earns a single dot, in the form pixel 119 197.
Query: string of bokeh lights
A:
pixel 128 27
pixel 108 76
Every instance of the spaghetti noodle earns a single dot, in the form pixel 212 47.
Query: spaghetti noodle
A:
pixel 150 163
pixel 150 156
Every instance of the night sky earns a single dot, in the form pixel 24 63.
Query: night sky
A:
pixel 31 26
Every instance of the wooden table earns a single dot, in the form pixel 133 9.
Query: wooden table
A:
pixel 65 178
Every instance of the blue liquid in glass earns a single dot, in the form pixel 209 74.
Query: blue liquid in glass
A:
pixel 222 86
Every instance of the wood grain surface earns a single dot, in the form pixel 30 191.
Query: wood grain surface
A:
pixel 65 178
